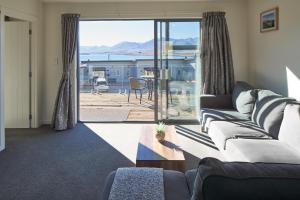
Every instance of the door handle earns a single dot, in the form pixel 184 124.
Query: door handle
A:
pixel 164 74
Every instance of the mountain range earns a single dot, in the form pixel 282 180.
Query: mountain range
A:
pixel 133 47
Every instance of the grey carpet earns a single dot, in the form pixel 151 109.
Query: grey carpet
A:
pixel 40 164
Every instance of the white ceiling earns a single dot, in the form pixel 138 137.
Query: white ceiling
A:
pixel 92 1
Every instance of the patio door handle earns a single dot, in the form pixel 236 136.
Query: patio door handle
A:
pixel 164 74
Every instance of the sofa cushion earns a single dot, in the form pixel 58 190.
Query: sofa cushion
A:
pixel 222 132
pixel 207 115
pixel 257 150
pixel 290 127
pixel 248 181
pixel 108 184
pixel 190 176
pixel 244 97
pixel 175 186
pixel 268 111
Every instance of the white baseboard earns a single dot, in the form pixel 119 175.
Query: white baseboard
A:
pixel 45 122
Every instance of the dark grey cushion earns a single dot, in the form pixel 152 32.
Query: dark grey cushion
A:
pixel 268 111
pixel 217 180
pixel 290 127
pixel 107 186
pixel 175 186
pixel 190 176
pixel 244 97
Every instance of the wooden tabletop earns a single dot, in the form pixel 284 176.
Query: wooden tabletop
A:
pixel 150 148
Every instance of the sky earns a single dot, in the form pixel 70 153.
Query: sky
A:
pixel 109 33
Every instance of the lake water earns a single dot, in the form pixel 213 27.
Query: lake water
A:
pixel 115 57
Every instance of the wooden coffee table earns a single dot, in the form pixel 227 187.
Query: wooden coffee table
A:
pixel 166 155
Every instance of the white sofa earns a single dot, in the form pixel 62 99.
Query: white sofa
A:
pixel 270 134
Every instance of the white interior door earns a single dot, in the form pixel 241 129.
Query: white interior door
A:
pixel 17 82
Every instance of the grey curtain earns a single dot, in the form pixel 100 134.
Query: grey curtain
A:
pixel 64 110
pixel 217 72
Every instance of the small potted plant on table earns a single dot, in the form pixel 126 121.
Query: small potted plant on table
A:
pixel 160 132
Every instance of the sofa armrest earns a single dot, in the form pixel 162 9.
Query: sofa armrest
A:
pixel 107 186
pixel 190 176
pixel 241 180
pixel 216 101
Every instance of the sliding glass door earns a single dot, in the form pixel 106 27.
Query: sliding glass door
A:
pixel 138 75
pixel 177 63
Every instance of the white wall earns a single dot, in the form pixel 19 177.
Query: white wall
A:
pixel 27 10
pixel 236 16
pixel 30 7
pixel 274 57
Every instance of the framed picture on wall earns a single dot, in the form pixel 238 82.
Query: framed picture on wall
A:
pixel 269 20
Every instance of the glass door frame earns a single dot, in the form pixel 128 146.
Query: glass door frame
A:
pixel 157 69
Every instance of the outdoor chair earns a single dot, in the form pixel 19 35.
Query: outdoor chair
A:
pixel 163 87
pixel 136 84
